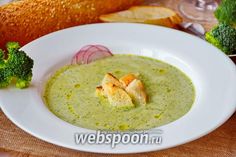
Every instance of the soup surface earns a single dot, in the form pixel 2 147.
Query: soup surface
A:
pixel 70 94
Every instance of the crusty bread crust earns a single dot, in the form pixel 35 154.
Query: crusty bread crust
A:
pixel 26 20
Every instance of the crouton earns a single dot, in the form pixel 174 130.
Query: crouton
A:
pixel 117 96
pixel 109 78
pixel 99 91
pixel 137 92
pixel 125 80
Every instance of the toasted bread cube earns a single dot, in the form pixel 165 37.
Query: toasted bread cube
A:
pixel 117 96
pixel 137 92
pixel 127 79
pixel 99 91
pixel 109 78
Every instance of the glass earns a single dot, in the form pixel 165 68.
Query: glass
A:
pixel 198 10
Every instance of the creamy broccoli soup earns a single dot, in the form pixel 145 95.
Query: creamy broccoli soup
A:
pixel 70 94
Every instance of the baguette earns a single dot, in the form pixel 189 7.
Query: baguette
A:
pixel 25 20
pixel 145 14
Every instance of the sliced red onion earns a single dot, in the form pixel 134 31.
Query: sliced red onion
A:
pixel 85 48
pixel 78 58
pixel 97 55
pixel 103 48
pixel 90 53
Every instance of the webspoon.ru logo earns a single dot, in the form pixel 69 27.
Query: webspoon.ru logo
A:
pixel 111 138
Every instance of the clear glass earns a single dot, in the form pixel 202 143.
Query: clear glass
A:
pixel 198 10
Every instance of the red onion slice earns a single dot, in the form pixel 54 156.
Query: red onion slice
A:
pixel 103 48
pixel 78 58
pixel 97 55
pixel 90 53
pixel 85 48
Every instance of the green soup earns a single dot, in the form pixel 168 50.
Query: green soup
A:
pixel 70 94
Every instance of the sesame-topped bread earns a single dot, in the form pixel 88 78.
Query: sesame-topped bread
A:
pixel 25 20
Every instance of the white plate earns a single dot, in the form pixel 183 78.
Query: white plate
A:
pixel 212 72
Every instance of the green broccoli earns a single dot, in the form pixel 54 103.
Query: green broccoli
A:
pixel 223 36
pixel 226 12
pixel 18 66
pixel 2 62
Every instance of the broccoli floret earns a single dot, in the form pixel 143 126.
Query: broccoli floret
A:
pixel 2 62
pixel 226 12
pixel 223 36
pixel 5 78
pixel 17 66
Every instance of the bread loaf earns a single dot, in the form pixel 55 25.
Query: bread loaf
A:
pixel 145 14
pixel 26 20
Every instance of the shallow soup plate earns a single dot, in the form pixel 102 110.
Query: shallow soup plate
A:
pixel 213 75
